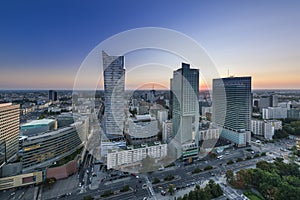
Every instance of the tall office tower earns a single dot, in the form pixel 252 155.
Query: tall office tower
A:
pixel 274 100
pixel 114 84
pixel 171 100
pixel 52 95
pixel 232 108
pixel 9 130
pixel 185 105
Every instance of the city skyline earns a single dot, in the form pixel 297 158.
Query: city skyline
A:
pixel 43 45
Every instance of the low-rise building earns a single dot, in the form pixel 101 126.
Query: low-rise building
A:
pixel 133 155
pixel 21 180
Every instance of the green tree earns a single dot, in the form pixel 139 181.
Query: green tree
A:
pixel 125 188
pixel 229 176
pixel 88 197
pixel 155 180
pixel 171 189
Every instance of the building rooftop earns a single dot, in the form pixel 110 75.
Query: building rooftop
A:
pixel 5 104
pixel 41 122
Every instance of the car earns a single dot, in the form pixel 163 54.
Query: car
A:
pixel 252 152
pixel 162 192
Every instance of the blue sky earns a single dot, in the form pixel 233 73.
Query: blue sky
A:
pixel 42 43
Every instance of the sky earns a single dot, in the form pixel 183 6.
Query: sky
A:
pixel 43 43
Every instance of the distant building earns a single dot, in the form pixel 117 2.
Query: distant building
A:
pixel 9 130
pixel 52 95
pixel 162 115
pixel 265 128
pixel 232 108
pixel 166 130
pixel 185 106
pixel 274 113
pixel 293 113
pixel 114 86
pixel 206 110
pixel 268 101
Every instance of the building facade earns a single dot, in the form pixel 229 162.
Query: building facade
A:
pixel 52 95
pixel 185 103
pixel 21 180
pixel 44 149
pixel 232 108
pixel 166 130
pixel 134 155
pixel 274 113
pixel 114 86
pixel 9 130
pixel 265 128
pixel 209 134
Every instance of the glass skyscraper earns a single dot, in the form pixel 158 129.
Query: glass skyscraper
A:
pixel 232 106
pixel 185 103
pixel 114 86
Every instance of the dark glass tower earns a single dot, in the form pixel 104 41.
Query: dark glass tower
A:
pixel 232 103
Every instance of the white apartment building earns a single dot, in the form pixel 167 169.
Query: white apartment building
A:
pixel 118 157
pixel 265 128
pixel 274 113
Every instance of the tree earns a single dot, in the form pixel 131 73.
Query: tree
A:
pixel 88 197
pixel 169 177
pixel 230 162
pixel 229 176
pixel 171 189
pixel 208 167
pixel 125 188
pixel 133 111
pixel 155 180
pixel 279 134
pixel 196 170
